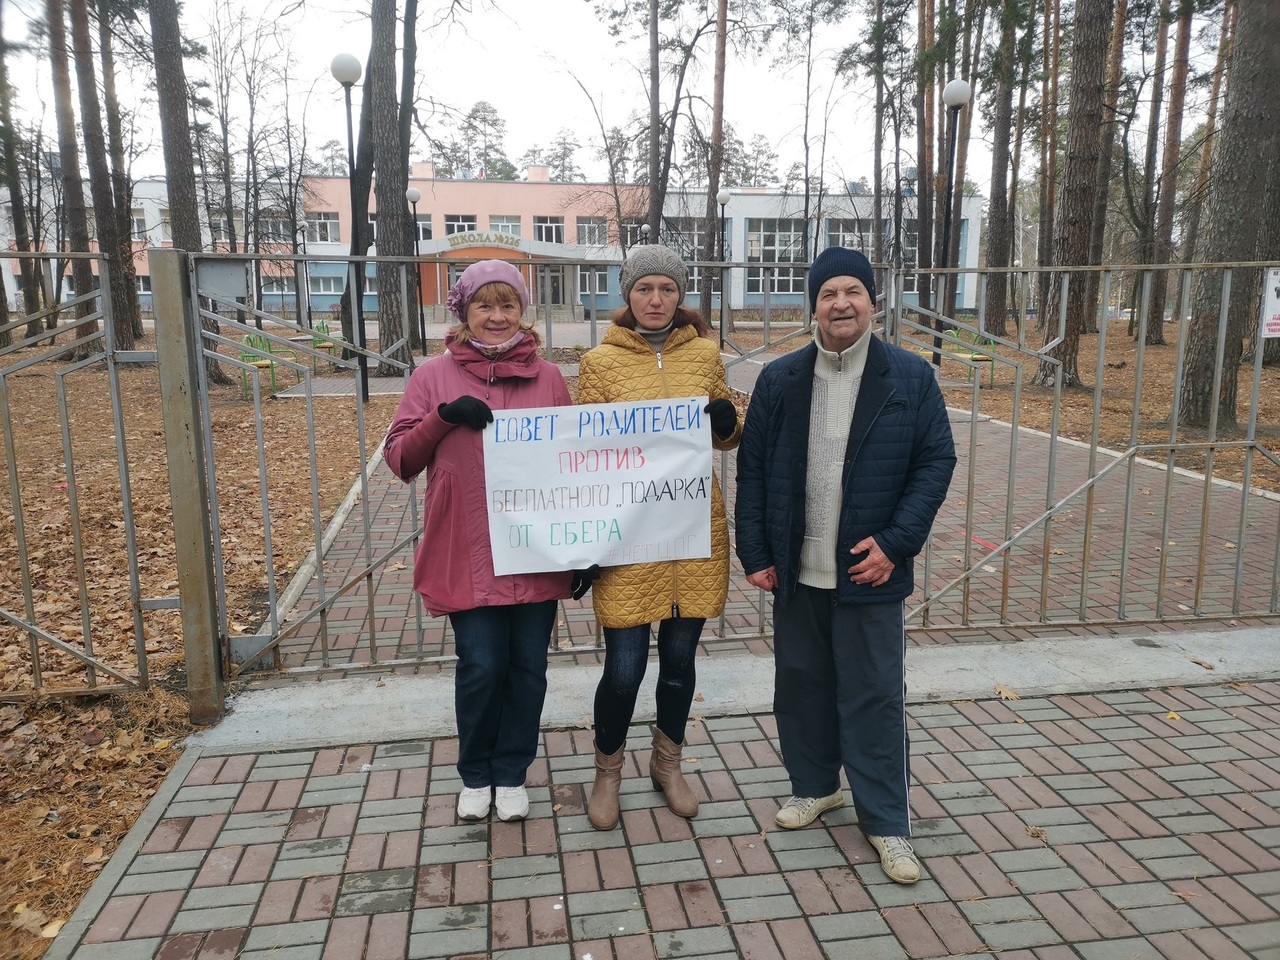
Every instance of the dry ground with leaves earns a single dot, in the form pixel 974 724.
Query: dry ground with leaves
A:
pixel 79 771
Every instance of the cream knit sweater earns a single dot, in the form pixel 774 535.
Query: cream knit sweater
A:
pixel 836 379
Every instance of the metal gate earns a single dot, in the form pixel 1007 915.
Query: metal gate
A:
pixel 73 615
pixel 1119 516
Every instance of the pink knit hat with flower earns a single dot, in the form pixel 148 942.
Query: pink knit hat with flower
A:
pixel 476 276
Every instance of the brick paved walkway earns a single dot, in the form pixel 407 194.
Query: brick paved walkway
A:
pixel 1102 827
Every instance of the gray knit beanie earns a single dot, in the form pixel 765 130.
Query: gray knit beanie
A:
pixel 653 258
pixel 839 262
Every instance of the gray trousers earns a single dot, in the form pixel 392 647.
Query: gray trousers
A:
pixel 839 699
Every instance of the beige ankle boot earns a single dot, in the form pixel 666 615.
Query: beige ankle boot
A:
pixel 664 770
pixel 602 807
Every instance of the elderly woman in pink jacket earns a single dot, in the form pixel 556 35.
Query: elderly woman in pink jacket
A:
pixel 502 624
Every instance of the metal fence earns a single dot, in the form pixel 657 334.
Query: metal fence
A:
pixel 1074 507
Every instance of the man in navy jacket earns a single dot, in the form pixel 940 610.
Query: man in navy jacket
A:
pixel 846 457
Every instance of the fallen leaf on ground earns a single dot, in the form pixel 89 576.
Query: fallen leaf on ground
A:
pixel 1171 715
pixel 1039 833
pixel 1203 663
pixel 50 930
pixel 1004 693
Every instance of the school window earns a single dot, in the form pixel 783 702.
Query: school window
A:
pixel 328 284
pixel 275 285
pixel 166 228
pixel 274 227
pixel 220 227
pixel 322 227
pixel 688 237
pixel 509 225
pixel 138 221
pixel 593 280
pixel 775 241
pixel 593 231
pixel 424 226
pixel 144 283
pixel 371 230
pixel 629 230
pixel 548 229
pixel 459 223
pixel 854 234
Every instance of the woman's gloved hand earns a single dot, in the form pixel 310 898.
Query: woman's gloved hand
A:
pixel 582 580
pixel 472 411
pixel 724 417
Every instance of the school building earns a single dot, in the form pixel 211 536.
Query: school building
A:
pixel 568 239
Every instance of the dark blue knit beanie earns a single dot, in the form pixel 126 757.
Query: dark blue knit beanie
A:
pixel 839 262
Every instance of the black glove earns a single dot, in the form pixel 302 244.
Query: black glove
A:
pixel 724 417
pixel 582 580
pixel 472 411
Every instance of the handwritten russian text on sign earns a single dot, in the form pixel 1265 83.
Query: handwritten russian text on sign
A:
pixel 1271 303
pixel 606 483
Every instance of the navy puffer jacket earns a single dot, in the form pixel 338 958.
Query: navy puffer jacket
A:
pixel 897 469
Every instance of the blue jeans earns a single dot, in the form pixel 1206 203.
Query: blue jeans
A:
pixel 626 655
pixel 498 690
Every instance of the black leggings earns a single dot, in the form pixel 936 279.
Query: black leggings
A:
pixel 625 659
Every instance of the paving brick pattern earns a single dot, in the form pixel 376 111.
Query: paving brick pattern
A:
pixel 1094 827
pixel 1108 582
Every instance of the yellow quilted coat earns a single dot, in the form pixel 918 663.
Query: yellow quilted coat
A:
pixel 625 367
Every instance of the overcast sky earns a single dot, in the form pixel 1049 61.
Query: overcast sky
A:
pixel 520 55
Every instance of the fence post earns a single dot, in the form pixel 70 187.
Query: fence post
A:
pixel 178 342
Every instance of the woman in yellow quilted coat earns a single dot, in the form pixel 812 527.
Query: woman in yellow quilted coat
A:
pixel 655 349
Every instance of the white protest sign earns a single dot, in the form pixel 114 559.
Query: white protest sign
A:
pixel 606 483
pixel 1271 303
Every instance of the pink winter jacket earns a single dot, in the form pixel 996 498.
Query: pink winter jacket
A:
pixel 453 569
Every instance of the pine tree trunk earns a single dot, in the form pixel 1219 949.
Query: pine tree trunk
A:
pixel 13 180
pixel 1169 173
pixel 1246 168
pixel 175 132
pixel 1196 199
pixel 998 238
pixel 1048 156
pixel 95 153
pixel 1084 118
pixel 924 154
pixel 69 152
pixel 1098 231
pixel 715 162
pixel 408 72
pixel 390 164
pixel 121 189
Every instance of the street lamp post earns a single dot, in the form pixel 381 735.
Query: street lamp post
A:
pixel 644 233
pixel 722 198
pixel 346 70
pixel 955 95
pixel 413 195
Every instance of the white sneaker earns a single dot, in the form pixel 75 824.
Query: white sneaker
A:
pixel 473 803
pixel 897 858
pixel 513 803
pixel 801 811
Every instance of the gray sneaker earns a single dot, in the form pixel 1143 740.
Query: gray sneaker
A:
pixel 897 858
pixel 801 811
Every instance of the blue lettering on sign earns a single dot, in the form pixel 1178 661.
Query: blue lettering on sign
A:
pixel 522 428
pixel 650 418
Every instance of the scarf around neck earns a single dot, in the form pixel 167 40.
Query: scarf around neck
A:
pixel 517 357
